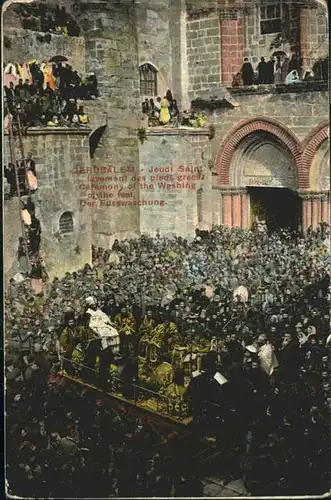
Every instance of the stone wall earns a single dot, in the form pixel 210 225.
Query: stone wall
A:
pixel 232 46
pixel 153 24
pixel 24 46
pixel 314 34
pixel 300 111
pixel 57 153
pixel 169 193
pixel 256 44
pixel 112 52
pixel 203 53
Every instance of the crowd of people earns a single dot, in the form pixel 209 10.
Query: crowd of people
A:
pixel 44 18
pixel 280 69
pixel 165 112
pixel 47 93
pixel 270 343
pixel 22 181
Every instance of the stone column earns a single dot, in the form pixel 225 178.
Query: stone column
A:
pixel 234 203
pixel 227 209
pixel 236 210
pixel 244 209
pixel 325 208
pixel 306 210
pixel 315 203
pixel 315 208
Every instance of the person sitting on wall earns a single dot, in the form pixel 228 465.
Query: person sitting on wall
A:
pixel 308 77
pixel 237 80
pixel 292 77
pixel 185 119
pixel 83 117
pixel 145 107
pixel 61 20
pixel 174 112
pixel 152 106
pixel 157 107
pixel 37 75
pixel 72 27
pixel 49 23
pixel 70 110
pixel 247 72
pixel 262 69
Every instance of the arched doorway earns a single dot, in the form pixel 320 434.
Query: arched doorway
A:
pixel 265 166
pixel 259 172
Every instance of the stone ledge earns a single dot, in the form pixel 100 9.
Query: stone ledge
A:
pixel 176 131
pixel 280 88
pixel 56 131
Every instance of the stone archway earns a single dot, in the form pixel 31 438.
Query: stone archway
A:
pixel 320 168
pixel 260 154
pixel 237 134
pixel 311 147
pixel 261 159
pixel 316 162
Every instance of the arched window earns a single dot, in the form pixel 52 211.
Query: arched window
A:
pixel 66 223
pixel 148 80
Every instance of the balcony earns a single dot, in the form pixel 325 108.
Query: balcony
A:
pixel 314 86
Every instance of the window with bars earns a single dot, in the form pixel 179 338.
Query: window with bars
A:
pixel 148 80
pixel 66 223
pixel 270 19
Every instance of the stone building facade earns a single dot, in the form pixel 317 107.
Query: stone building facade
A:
pixel 265 137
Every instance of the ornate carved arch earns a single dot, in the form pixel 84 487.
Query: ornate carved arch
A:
pixel 312 143
pixel 246 127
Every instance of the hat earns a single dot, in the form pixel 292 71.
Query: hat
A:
pixel 251 348
pixel 90 301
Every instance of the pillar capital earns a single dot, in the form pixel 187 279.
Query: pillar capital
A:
pixel 314 195
pixel 231 190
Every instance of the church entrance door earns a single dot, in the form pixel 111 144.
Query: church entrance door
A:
pixel 278 207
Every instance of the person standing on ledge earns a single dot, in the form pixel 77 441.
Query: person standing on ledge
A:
pixel 262 69
pixel 247 72
pixel 164 113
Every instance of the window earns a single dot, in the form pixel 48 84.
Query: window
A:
pixel 271 21
pixel 66 223
pixel 148 80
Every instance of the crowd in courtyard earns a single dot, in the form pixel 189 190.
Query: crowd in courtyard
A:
pixel 46 93
pixel 273 345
